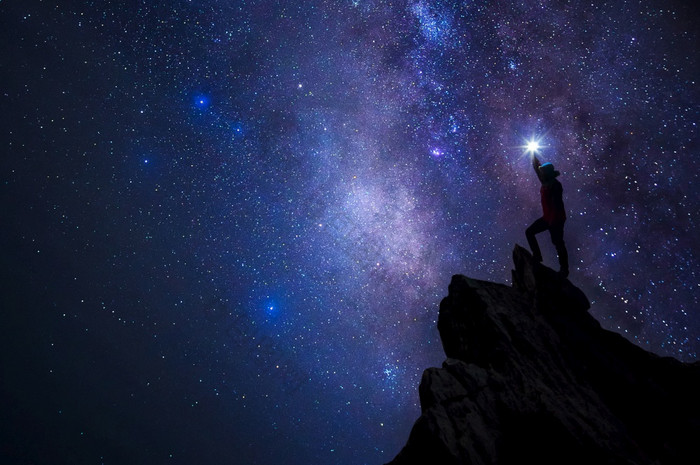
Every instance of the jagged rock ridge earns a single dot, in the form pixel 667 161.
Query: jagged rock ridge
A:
pixel 531 377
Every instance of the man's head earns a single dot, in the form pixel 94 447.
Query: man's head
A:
pixel 548 172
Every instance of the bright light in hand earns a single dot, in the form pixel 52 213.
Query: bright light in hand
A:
pixel 533 146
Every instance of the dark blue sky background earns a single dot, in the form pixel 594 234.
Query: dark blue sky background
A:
pixel 227 225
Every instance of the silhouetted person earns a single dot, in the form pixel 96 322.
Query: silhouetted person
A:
pixel 553 215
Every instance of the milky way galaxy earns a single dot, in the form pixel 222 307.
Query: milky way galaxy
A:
pixel 228 225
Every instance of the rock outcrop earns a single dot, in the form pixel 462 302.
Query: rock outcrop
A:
pixel 531 377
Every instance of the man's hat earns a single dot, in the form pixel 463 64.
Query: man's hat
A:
pixel 547 169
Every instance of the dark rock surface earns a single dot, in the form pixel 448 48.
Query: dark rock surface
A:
pixel 531 377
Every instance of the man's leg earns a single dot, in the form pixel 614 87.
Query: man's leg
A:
pixel 557 233
pixel 535 228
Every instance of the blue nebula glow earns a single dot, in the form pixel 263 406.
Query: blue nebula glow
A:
pixel 271 309
pixel 202 101
pixel 238 130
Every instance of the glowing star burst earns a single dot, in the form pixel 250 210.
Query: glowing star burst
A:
pixel 532 146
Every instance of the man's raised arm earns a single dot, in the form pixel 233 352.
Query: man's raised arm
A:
pixel 536 165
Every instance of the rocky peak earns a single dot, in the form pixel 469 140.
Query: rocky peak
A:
pixel 530 375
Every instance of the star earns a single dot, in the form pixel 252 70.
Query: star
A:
pixel 201 101
pixel 532 146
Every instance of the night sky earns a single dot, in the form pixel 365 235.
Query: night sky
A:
pixel 226 226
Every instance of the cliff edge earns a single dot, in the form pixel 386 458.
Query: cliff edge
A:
pixel 531 377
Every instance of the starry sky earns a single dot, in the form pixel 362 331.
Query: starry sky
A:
pixel 227 225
